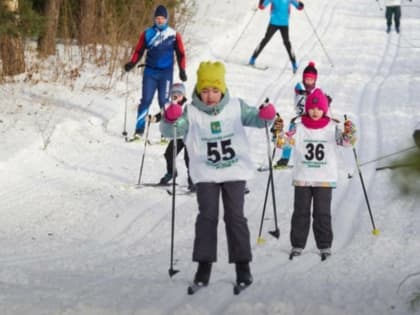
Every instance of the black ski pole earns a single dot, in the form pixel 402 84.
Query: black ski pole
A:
pixel 124 133
pixel 171 270
pixel 276 231
pixel 375 231
pixel 146 141
pixel 260 239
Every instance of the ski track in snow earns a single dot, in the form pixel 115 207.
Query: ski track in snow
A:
pixel 78 238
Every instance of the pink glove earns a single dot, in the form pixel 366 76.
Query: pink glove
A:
pixel 267 112
pixel 173 112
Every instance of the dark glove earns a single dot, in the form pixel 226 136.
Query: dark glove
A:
pixel 329 98
pixel 182 75
pixel 301 5
pixel 128 66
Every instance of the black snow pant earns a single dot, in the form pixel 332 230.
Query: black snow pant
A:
pixel 169 154
pixel 236 225
pixel 322 228
pixel 271 29
pixel 393 11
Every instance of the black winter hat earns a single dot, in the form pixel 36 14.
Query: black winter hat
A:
pixel 161 11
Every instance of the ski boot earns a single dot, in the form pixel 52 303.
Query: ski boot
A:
pixel 251 61
pixel 166 178
pixel 325 253
pixel 282 163
pixel 388 29
pixel 202 276
pixel 294 66
pixel 243 274
pixel 296 251
pixel 191 185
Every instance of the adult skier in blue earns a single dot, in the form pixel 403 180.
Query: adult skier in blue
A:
pixel 161 42
pixel 279 21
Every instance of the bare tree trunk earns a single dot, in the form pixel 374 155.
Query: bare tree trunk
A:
pixel 87 21
pixel 46 42
pixel 12 48
pixel 12 55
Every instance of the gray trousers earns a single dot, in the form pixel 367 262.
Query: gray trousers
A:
pixel 236 225
pixel 301 218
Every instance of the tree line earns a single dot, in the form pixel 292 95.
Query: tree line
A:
pixel 90 24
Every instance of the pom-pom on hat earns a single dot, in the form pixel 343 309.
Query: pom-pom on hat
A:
pixel 310 71
pixel 161 11
pixel 317 99
pixel 211 74
pixel 178 88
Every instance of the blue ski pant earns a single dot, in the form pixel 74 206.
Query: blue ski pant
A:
pixel 236 225
pixel 153 79
pixel 286 151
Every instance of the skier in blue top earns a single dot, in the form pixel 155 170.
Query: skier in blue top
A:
pixel 279 20
pixel 161 42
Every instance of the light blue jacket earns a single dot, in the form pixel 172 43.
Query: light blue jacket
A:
pixel 249 115
pixel 280 11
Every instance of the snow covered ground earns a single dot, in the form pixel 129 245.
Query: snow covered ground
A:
pixel 76 236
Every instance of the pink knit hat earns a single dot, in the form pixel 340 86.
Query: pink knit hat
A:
pixel 317 99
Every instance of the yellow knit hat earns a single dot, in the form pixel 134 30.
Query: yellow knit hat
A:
pixel 211 74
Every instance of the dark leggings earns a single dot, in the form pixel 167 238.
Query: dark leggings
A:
pixel 169 154
pixel 284 31
pixel 389 12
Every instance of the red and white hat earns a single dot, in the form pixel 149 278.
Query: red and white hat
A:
pixel 310 71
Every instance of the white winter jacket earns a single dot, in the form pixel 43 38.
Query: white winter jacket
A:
pixel 389 3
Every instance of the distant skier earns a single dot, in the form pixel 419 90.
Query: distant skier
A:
pixel 393 9
pixel 309 78
pixel 279 21
pixel 161 42
pixel 315 137
pixel 220 164
pixel 416 135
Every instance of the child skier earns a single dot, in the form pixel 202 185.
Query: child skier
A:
pixel 177 96
pixel 220 164
pixel 309 78
pixel 316 137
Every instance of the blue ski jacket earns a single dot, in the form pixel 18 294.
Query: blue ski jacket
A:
pixel 161 44
pixel 280 10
